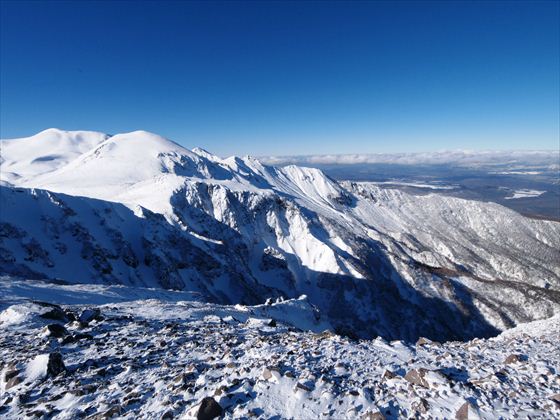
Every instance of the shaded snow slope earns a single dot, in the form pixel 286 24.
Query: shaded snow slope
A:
pixel 137 209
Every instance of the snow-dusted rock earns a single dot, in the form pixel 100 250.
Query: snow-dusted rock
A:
pixel 249 369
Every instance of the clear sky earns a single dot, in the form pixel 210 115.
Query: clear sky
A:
pixel 287 77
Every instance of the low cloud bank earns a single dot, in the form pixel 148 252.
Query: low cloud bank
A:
pixel 541 158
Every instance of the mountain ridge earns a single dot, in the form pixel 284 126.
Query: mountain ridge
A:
pixel 377 262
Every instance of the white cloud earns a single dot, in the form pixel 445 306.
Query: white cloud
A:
pixel 457 157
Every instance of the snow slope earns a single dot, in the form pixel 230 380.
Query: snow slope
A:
pixel 145 353
pixel 139 210
pixel 27 158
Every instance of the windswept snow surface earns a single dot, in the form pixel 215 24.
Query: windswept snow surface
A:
pixel 152 354
pixel 136 209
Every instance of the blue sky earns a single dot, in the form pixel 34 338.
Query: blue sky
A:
pixel 287 77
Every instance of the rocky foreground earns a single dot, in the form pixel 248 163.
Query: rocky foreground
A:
pixel 155 358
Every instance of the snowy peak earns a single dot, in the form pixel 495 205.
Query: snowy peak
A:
pixel 28 157
pixel 144 168
pixel 206 154
pixel 134 168
pixel 311 182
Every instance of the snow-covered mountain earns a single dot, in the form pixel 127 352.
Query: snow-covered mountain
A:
pixel 137 209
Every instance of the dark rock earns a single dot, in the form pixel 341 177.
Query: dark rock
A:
pixel 272 323
pixel 209 409
pixel 76 337
pixel 115 410
pixel 10 373
pixel 422 406
pixel 89 315
pixel 388 375
pixel 132 401
pixel 56 330
pixel 70 315
pixel 13 382
pixel 56 314
pixel 301 386
pixel 55 365
pixel 168 415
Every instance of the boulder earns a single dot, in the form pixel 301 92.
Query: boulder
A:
pixel 113 411
pixel 300 386
pixel 13 381
pixel 388 375
pixel 56 314
pixel 373 415
pixel 56 330
pixel 209 409
pixel 55 365
pixel 76 337
pixel 89 315
pixel 513 358
pixel 417 377
pixel 421 405
pixel 168 415
pixel 466 411
pixel 271 373
pixel 426 378
pixel 422 340
pixel 10 372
